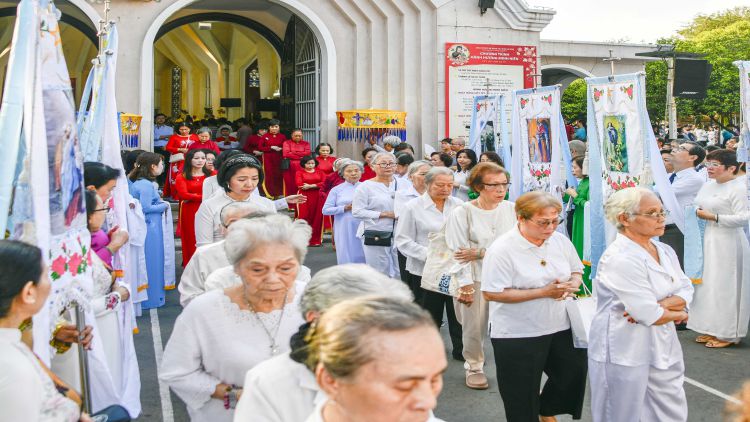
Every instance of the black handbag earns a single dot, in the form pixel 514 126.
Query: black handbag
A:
pixel 285 163
pixel 378 238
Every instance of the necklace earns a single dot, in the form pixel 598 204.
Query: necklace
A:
pixel 542 259
pixel 271 338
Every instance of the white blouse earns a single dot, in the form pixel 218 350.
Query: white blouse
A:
pixel 215 342
pixel 472 227
pixel 420 218
pixel 630 280
pixel 208 228
pixel 462 191
pixel 512 262
pixel 205 261
pixel 370 199
pixel 27 393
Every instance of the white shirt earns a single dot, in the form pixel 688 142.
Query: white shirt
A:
pixel 215 342
pixel 420 218
pixel 512 262
pixel 471 227
pixel 370 199
pixel 208 228
pixel 261 400
pixel 462 191
pixel 686 184
pixel 205 260
pixel 27 393
pixel 629 279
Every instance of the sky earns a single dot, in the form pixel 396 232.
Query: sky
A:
pixel 632 20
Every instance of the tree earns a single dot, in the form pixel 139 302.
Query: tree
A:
pixel 573 101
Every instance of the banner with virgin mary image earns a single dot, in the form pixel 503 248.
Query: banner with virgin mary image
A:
pixel 622 152
pixel 540 157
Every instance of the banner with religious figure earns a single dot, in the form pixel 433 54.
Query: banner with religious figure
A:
pixel 622 152
pixel 488 127
pixel 541 157
pixel 743 149
pixel 366 125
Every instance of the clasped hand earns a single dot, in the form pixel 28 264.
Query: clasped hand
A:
pixel 559 290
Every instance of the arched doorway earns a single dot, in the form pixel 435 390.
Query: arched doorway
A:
pixel 307 101
pixel 80 45
pixel 562 74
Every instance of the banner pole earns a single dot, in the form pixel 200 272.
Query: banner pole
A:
pixel 83 362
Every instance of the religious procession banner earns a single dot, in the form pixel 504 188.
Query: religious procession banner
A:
pixel 541 157
pixel 364 125
pixel 744 147
pixel 130 131
pixel 622 152
pixel 488 127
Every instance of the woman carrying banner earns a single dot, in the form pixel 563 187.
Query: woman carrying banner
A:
pixel 147 167
pixel 177 146
pixel 721 309
pixel 189 189
pixel 635 357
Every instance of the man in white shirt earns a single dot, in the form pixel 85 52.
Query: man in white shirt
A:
pixel 686 181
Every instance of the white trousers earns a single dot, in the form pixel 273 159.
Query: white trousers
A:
pixel 382 258
pixel 637 393
pixel 473 321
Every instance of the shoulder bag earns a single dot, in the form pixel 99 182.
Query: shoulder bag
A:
pixel 380 237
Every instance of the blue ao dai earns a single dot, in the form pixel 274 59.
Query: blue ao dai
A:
pixel 348 246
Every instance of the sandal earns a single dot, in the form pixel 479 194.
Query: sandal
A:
pixel 704 339
pixel 718 344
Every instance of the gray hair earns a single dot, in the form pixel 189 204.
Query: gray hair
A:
pixel 380 155
pixel 626 201
pixel 392 140
pixel 246 235
pixel 203 130
pixel 415 166
pixel 435 172
pixel 338 162
pixel 243 209
pixel 341 282
pixel 340 342
pixel 348 163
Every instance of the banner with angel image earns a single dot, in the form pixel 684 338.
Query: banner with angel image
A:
pixel 622 152
pixel 541 157
pixel 488 127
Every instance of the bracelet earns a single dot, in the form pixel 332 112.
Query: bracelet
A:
pixel 59 346
pixel 470 292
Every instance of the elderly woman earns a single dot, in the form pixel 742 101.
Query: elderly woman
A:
pixel 635 358
pixel 224 333
pixel 204 141
pixel 339 204
pixel 288 372
pixel 525 275
pixel 422 216
pixel 721 308
pixel 27 393
pixel 372 205
pixel 390 142
pixel 470 230
pixel 225 140
pixel 415 187
pixel 377 359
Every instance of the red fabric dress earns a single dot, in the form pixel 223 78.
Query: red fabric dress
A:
pixel 252 144
pixel 190 193
pixel 294 151
pixel 312 210
pixel 273 184
pixel 174 168
pixel 368 174
pixel 326 166
pixel 210 145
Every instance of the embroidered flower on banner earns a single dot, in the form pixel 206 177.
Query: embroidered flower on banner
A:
pixel 74 264
pixel 58 267
pixel 548 99
pixel 622 181
pixel 628 90
pixel 524 101
pixel 598 94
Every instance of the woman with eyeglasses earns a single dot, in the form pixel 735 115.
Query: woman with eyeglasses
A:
pixel 470 230
pixel 721 309
pixel 635 359
pixel 526 275
pixel 373 205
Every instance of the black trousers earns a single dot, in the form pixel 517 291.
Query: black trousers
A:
pixel 415 285
pixel 520 363
pixel 673 237
pixel 434 303
pixel 402 267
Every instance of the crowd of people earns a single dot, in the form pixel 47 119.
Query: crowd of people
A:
pixel 260 338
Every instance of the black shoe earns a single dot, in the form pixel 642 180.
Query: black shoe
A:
pixel 459 356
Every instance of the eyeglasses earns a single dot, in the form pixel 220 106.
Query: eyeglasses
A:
pixel 710 164
pixel 546 223
pixel 386 165
pixel 496 186
pixel 656 214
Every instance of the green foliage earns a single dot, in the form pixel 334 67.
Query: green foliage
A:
pixel 573 101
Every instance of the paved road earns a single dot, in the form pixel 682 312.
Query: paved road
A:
pixel 722 371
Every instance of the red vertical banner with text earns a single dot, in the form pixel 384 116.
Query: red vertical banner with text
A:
pixel 483 69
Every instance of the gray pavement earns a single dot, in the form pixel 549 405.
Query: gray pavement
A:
pixel 723 370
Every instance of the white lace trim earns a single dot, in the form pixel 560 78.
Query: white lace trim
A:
pixel 271 320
